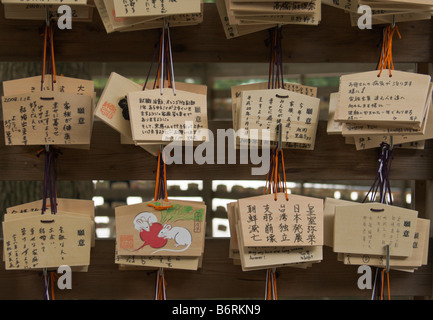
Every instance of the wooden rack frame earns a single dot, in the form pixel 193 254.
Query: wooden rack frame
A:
pixel 334 40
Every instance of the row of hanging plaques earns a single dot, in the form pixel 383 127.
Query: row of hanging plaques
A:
pixel 43 111
pixel 269 231
pixel 238 17
pixel 368 109
pixel 265 233
pixel 289 231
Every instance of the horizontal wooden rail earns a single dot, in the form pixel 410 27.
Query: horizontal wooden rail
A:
pixel 218 278
pixel 334 40
pixel 108 159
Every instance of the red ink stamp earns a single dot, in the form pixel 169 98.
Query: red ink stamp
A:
pixel 108 110
pixel 126 242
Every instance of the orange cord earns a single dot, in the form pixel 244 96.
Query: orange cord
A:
pixel 271 293
pixel 165 175
pixel 272 183
pixel 49 32
pixel 284 176
pixel 52 53
pixel 157 178
pixel 383 278
pixel 160 208
pixel 161 155
pixel 274 278
pixel 167 52
pixel 386 60
pixel 161 286
pixel 45 54
pixel 274 180
pixel 53 277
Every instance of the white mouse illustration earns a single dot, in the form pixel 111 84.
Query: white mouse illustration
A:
pixel 144 220
pixel 181 236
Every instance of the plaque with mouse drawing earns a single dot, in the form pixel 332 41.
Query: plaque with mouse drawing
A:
pixel 160 228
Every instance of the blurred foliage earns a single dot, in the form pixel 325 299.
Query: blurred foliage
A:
pixel 322 81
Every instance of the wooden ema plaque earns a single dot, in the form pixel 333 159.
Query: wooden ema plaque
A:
pixel 171 115
pixel 399 99
pixel 368 228
pixel 47 118
pixel 416 259
pixel 73 206
pixel 134 8
pixel 265 222
pixel 177 230
pixel 37 241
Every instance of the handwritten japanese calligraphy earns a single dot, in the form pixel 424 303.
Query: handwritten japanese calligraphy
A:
pixel 386 100
pixel 36 241
pixel 155 7
pixel 265 109
pixel 47 118
pixel 368 228
pixel 154 116
pixel 294 222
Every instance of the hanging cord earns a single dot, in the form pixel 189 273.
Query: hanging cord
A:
pixel 383 281
pixel 161 178
pixel 165 71
pixel 151 65
pixel 165 59
pixel 386 60
pixel 170 55
pixel 50 278
pixel 271 284
pixel 54 74
pixel 158 73
pixel 276 176
pixel 381 183
pixel 49 183
pixel 161 182
pixel 49 191
pixel 160 285
pixel 44 58
pixel 381 187
pixel 275 77
pixel 275 183
pixel 46 278
pixel 160 193
pixel 162 63
pixel 48 54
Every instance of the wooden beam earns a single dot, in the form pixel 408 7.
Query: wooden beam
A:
pixel 107 159
pixel 334 40
pixel 224 70
pixel 218 278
